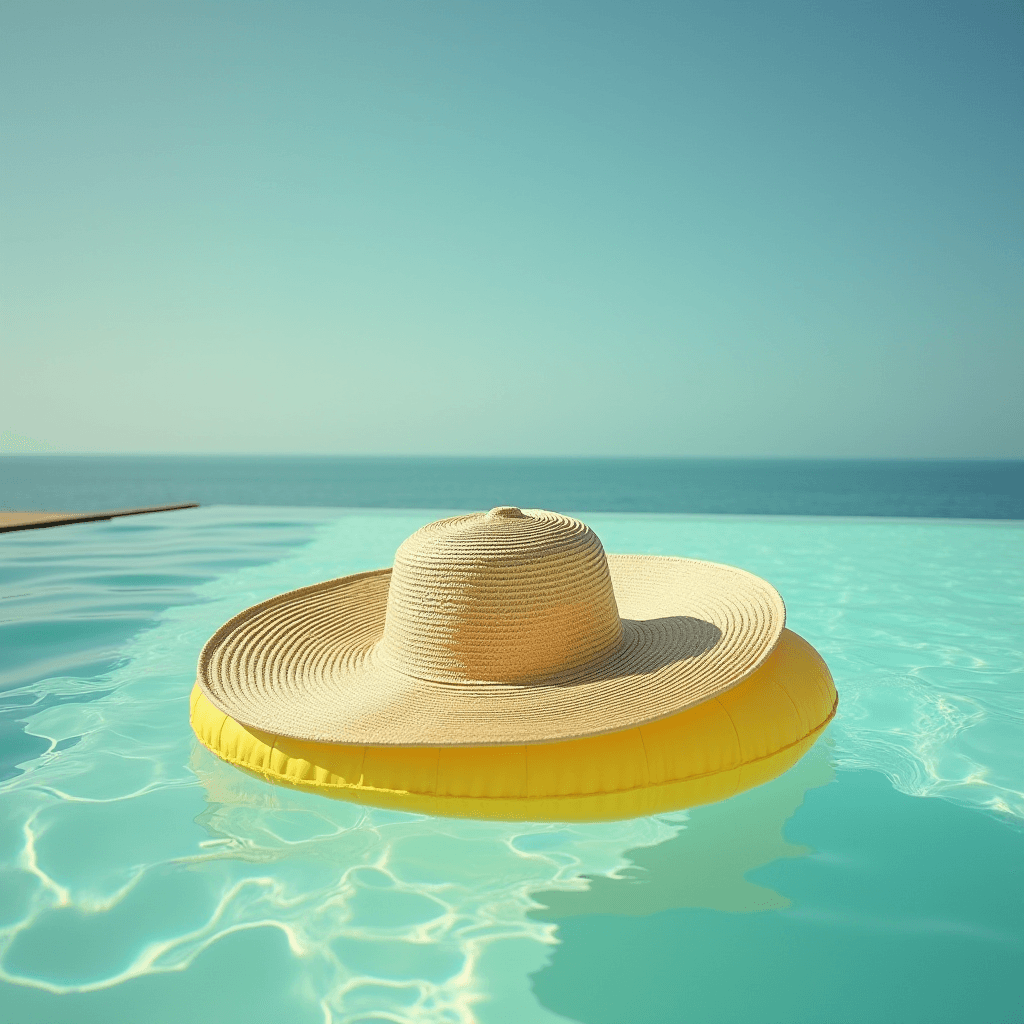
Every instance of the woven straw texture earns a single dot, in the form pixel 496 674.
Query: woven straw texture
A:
pixel 493 628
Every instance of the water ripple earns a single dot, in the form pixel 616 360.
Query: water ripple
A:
pixel 128 852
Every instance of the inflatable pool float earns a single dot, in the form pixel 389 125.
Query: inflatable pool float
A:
pixel 506 668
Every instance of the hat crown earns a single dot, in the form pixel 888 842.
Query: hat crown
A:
pixel 503 596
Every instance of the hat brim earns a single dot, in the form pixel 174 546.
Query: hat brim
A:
pixel 304 664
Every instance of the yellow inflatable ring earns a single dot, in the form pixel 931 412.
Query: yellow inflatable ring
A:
pixel 742 738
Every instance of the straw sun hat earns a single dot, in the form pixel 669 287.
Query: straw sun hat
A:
pixel 505 627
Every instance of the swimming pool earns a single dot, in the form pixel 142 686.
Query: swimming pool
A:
pixel 140 878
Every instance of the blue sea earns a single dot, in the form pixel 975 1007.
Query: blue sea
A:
pixel 924 488
pixel 879 880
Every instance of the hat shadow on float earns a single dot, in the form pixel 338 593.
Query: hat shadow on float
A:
pixel 506 667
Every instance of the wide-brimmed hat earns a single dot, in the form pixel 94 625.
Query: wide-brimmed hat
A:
pixel 505 627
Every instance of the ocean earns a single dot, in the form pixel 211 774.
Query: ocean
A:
pixel 941 489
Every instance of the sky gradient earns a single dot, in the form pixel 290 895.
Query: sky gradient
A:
pixel 692 229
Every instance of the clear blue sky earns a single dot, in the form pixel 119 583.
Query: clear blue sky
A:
pixel 579 228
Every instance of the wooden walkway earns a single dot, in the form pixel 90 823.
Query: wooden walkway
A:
pixel 39 520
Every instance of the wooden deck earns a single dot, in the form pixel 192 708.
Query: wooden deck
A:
pixel 39 520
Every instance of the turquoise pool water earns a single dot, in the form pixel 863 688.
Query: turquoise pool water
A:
pixel 141 879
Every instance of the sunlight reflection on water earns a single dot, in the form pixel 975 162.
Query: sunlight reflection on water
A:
pixel 131 859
